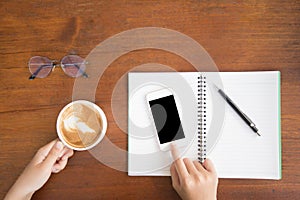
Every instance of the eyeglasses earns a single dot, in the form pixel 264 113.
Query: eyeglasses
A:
pixel 72 65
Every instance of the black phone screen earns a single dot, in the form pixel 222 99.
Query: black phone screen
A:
pixel 166 119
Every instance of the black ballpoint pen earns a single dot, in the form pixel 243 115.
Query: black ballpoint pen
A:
pixel 238 111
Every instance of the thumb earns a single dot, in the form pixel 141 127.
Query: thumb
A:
pixel 53 154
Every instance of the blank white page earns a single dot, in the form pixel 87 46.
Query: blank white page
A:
pixel 240 153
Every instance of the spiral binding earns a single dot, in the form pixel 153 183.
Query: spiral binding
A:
pixel 201 100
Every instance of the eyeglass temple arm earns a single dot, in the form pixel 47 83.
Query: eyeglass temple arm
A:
pixel 42 66
pixel 81 71
pixel 37 71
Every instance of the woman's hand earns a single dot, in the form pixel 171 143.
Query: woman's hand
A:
pixel 51 158
pixel 193 180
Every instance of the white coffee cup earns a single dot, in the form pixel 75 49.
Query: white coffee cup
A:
pixel 94 107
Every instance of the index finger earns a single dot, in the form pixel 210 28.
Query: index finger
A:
pixel 179 164
pixel 174 151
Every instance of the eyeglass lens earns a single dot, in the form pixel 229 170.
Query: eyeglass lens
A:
pixel 40 66
pixel 73 65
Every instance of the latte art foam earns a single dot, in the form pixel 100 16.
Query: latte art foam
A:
pixel 72 124
pixel 80 125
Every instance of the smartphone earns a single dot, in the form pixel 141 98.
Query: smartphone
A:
pixel 167 122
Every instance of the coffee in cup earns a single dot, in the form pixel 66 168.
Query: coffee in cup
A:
pixel 81 125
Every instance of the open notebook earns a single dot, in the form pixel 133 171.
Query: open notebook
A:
pixel 236 151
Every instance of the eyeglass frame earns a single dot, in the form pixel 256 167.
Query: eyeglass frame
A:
pixel 55 63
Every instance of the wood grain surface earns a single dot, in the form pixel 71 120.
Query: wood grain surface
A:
pixel 239 36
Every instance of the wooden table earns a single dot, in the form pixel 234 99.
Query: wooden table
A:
pixel 239 36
